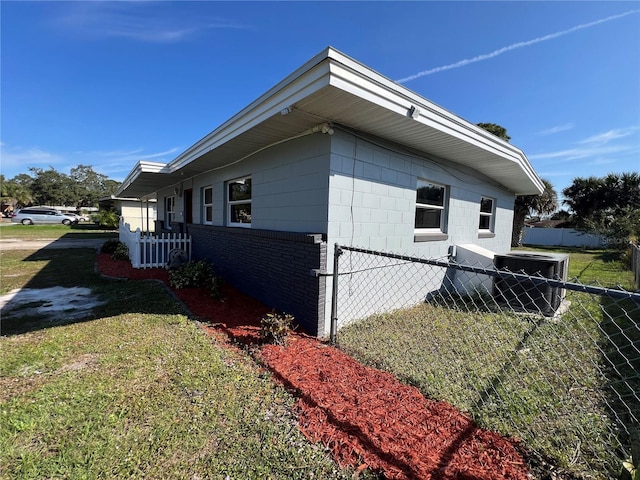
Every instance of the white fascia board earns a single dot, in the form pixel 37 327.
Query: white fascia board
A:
pixel 141 167
pixel 358 79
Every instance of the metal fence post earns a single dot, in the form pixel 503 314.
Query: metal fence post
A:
pixel 337 251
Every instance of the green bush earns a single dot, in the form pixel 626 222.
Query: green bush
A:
pixel 106 219
pixel 121 252
pixel 196 274
pixel 117 249
pixel 110 246
pixel 276 327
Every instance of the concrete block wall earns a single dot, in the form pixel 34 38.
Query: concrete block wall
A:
pixel 372 199
pixel 372 196
pixel 273 267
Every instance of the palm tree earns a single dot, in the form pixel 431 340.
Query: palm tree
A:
pixel 545 203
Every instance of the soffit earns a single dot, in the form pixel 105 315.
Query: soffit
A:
pixel 334 88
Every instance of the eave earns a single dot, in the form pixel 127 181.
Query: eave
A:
pixel 332 87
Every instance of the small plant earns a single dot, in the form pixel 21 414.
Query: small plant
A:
pixel 121 252
pixel 276 327
pixel 110 246
pixel 196 274
pixel 108 219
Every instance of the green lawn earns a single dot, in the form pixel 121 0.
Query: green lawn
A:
pixel 42 232
pixel 548 382
pixel 136 391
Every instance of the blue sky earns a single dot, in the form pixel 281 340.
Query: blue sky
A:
pixel 109 83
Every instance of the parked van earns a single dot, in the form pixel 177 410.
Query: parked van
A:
pixel 30 216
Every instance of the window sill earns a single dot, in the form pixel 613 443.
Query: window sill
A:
pixel 486 235
pixel 430 237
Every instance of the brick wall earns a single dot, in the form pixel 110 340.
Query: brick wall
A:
pixel 273 267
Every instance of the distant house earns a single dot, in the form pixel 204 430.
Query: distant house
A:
pixel 138 213
pixel 334 153
pixel 537 223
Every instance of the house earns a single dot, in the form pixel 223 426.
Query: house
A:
pixel 334 153
pixel 138 213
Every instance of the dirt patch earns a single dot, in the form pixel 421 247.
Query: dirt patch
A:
pixel 83 362
pixel 362 415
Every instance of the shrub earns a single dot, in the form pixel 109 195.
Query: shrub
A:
pixel 196 274
pixel 106 219
pixel 121 252
pixel 276 327
pixel 110 246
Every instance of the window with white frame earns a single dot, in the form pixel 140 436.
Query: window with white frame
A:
pixel 239 202
pixel 207 205
pixel 169 211
pixel 431 207
pixel 487 214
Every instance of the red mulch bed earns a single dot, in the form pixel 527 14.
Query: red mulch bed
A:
pixel 364 416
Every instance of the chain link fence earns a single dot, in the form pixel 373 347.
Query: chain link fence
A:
pixel 551 363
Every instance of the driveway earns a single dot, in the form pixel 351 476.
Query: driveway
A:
pixel 22 244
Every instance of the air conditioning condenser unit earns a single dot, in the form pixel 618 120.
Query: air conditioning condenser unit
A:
pixel 527 295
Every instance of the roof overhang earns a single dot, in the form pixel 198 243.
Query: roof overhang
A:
pixel 334 88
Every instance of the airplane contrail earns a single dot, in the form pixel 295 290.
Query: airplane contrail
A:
pixel 513 46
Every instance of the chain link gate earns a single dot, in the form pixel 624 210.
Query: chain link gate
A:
pixel 566 382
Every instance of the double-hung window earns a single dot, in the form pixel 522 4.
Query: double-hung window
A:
pixel 431 208
pixel 207 205
pixel 239 202
pixel 487 215
pixel 170 211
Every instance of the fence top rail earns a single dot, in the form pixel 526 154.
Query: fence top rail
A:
pixel 537 280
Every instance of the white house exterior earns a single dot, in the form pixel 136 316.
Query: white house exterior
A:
pixel 335 153
pixel 138 214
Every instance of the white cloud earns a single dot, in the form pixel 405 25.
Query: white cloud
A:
pixel 601 149
pixel 513 46
pixel 557 129
pixel 606 137
pixel 116 164
pixel 140 21
pixel 578 153
pixel 24 158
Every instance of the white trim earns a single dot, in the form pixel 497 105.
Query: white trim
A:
pixel 444 208
pixel 206 205
pixel 231 203
pixel 491 215
pixel 169 215
pixel 329 71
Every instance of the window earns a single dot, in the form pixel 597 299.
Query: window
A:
pixel 431 207
pixel 486 214
pixel 239 202
pixel 170 211
pixel 207 205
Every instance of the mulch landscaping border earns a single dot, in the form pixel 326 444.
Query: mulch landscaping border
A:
pixel 365 417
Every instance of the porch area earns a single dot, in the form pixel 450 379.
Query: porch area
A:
pixel 150 250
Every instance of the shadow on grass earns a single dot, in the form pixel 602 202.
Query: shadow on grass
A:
pixel 620 346
pixel 61 266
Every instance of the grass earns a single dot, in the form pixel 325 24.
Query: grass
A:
pixel 47 232
pixel 137 390
pixel 548 382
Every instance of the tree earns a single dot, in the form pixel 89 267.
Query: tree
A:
pixel 91 186
pixel 496 129
pixel 607 205
pixel 14 193
pixel 51 187
pixel 524 205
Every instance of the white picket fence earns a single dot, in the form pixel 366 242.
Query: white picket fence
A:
pixel 149 250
